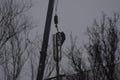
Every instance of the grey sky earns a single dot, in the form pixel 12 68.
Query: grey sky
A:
pixel 74 15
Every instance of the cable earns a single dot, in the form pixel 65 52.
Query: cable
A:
pixel 56 16
pixel 56 6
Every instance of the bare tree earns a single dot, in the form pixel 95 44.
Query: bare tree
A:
pixel 34 50
pixel 102 49
pixel 75 58
pixel 16 56
pixel 34 56
pixel 50 63
pixel 14 31
pixel 11 12
pixel 103 46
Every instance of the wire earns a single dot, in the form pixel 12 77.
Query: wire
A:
pixel 56 6
pixel 56 16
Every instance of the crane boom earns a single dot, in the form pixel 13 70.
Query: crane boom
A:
pixel 43 52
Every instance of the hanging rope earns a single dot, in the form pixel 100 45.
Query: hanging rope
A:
pixel 56 16
pixel 56 6
pixel 60 36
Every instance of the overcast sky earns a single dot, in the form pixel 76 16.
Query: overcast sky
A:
pixel 74 15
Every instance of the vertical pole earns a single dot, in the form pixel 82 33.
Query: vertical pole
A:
pixel 43 52
pixel 57 66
